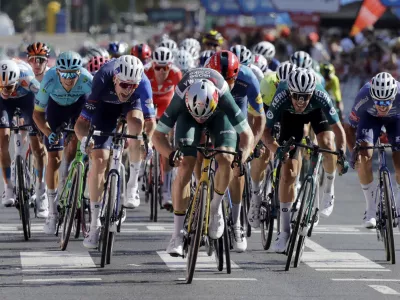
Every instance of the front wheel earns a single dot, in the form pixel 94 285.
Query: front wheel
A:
pixel 23 200
pixel 388 200
pixel 266 217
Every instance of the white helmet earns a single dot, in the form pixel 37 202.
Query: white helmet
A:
pixel 9 72
pixel 189 43
pixel 243 54
pixel 163 56
pixel 168 43
pixel 284 69
pixel 202 99
pixel 301 81
pixel 266 49
pixel 261 62
pixel 193 51
pixel 301 59
pixel 383 87
pixel 128 68
pixel 184 60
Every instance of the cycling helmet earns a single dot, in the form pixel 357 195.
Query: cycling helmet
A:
pixel 128 68
pixel 266 49
pixel 213 36
pixel 327 70
pixel 69 60
pixel 97 52
pixel 141 51
pixel 162 56
pixel 383 86
pixel 168 43
pixel 9 72
pixel 95 63
pixel 190 43
pixel 261 62
pixel 116 49
pixel 244 55
pixel 201 100
pixel 226 63
pixel 301 59
pixel 184 60
pixel 38 49
pixel 283 70
pixel 204 56
pixel 301 81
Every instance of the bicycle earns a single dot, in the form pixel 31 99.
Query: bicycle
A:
pixel 386 208
pixel 302 220
pixel 73 207
pixel 112 210
pixel 195 229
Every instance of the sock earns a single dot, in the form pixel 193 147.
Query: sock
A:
pixel 216 202
pixel 329 180
pixel 236 213
pixel 398 197
pixel 166 181
pixel 52 195
pixel 368 191
pixel 256 185
pixel 179 219
pixel 285 216
pixel 134 174
pixel 63 174
pixel 8 181
pixel 95 209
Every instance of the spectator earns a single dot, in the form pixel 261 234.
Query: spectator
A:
pixel 316 49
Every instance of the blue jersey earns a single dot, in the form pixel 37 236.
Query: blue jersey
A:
pixel 365 103
pixel 104 91
pixel 51 87
pixel 247 90
pixel 273 64
pixel 26 82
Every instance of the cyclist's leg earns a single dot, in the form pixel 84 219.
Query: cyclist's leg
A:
pixel 368 131
pixel 6 114
pixel 167 179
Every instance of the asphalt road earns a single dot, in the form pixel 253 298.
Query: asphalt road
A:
pixel 342 260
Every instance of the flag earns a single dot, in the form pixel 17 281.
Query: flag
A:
pixel 370 12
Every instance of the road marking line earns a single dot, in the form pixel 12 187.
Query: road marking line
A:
pixel 365 279
pixel 56 259
pixel 384 289
pixel 133 265
pixel 220 279
pixel 61 269
pixel 351 260
pixel 156 228
pixel 204 262
pixel 60 279
pixel 350 270
pixel 315 247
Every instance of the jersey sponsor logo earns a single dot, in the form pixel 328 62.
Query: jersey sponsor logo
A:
pixel 332 111
pixel 259 99
pixel 239 82
pixel 202 73
pixel 323 97
pixel 354 117
pixel 85 79
pixel 183 140
pixel 270 115
pixel 362 102
pixel 227 132
pixel 279 98
pixel 189 82
pixel 165 114
pixel 33 88
pixel 43 90
pixel 148 101
pixel 90 106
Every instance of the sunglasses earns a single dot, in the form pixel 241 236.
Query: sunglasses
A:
pixel 301 96
pixel 159 68
pixel 383 102
pixel 128 86
pixel 8 88
pixel 212 44
pixel 69 75
pixel 37 59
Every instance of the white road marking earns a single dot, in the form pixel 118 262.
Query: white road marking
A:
pixel 133 265
pixel 365 279
pixel 220 279
pixel 156 228
pixel 315 247
pixel 332 260
pixel 204 262
pixel 355 270
pixel 60 279
pixel 56 260
pixel 59 270
pixel 383 289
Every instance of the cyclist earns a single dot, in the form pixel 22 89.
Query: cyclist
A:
pixel 267 50
pixel 332 86
pixel 116 49
pixel 246 58
pixel 119 87
pixel 184 61
pixel 260 62
pixel 202 99
pixel 213 40
pixel 375 106
pixel 170 44
pixel 190 43
pixel 38 54
pixel 298 101
pixel 303 60
pixel 143 52
pixel 204 56
pixel 17 88
pixel 95 64
pixel 60 99
pixel 268 87
pixel 163 76
pixel 245 90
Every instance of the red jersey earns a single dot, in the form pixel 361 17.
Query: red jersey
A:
pixel 162 94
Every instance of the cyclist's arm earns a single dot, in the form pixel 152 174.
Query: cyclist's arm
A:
pixel 256 110
pixel 41 100
pixel 146 100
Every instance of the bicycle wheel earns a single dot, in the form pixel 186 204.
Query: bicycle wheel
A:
pixel 246 202
pixel 196 230
pixel 389 217
pixel 156 186
pixel 225 238
pixel 70 210
pixel 266 217
pixel 151 189
pixel 304 191
pixel 85 214
pixel 23 200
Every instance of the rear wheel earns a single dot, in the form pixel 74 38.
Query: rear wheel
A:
pixel 85 215
pixel 23 199
pixel 266 217
pixel 246 202
pixel 225 238
pixel 388 200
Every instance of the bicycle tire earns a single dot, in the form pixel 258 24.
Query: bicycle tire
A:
pixel 85 213
pixel 246 203
pixel 23 199
pixel 197 232
pixel 151 190
pixel 225 238
pixel 267 223
pixel 293 237
pixel 389 218
pixel 70 209
pixel 156 187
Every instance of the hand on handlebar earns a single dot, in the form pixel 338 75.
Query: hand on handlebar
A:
pixel 86 145
pixel 53 138
pixel 343 163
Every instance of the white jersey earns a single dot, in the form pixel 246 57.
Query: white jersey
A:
pixel 257 71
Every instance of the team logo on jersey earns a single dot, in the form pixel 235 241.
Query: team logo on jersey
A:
pixel 332 112
pixel 270 115
pixel 359 104
pixel 90 106
pixel 85 79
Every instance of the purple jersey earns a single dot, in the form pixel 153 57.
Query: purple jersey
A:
pixel 365 103
pixel 103 91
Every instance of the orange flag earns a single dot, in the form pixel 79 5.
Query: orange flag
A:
pixel 370 12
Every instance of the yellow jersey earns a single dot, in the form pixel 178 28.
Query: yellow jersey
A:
pixel 333 88
pixel 268 87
